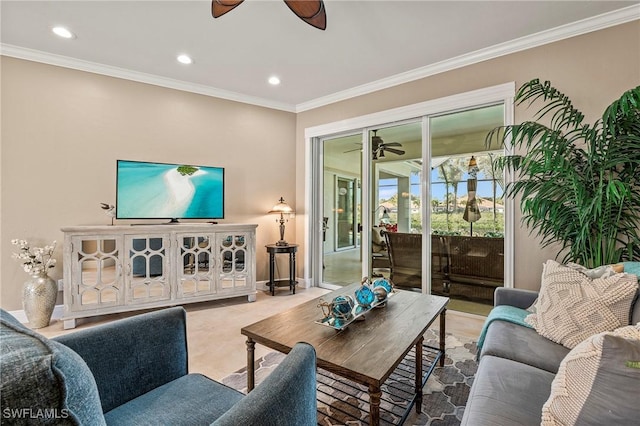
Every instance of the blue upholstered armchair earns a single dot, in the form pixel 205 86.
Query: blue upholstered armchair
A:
pixel 134 372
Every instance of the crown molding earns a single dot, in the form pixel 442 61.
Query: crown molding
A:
pixel 111 71
pixel 584 26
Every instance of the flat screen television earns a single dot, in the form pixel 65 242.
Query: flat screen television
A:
pixel 168 191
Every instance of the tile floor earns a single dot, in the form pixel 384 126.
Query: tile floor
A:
pixel 216 347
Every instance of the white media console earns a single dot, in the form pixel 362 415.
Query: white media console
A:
pixel 109 269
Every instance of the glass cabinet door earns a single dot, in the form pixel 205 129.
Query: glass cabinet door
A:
pixel 233 270
pixel 147 269
pixel 96 272
pixel 196 265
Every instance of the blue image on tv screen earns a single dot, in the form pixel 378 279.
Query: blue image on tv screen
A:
pixel 169 191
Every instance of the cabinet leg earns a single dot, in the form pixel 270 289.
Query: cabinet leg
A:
pixel 67 324
pixel 251 297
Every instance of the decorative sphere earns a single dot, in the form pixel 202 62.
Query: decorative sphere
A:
pixel 380 293
pixel 342 306
pixel 364 295
pixel 381 288
pixel 383 282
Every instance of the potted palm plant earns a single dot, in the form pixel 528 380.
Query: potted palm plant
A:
pixel 579 184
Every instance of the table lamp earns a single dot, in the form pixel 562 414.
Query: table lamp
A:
pixel 282 208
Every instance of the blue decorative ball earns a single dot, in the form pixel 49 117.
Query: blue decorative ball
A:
pixel 342 306
pixel 383 282
pixel 364 296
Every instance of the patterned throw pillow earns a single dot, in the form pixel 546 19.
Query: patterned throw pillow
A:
pixel 598 382
pixel 572 306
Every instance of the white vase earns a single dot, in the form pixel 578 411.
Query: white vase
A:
pixel 38 299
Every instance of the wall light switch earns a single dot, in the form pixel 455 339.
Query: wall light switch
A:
pixel 60 285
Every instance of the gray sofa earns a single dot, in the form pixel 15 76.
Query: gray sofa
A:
pixel 134 372
pixel 516 369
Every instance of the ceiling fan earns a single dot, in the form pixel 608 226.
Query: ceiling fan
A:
pixel 379 147
pixel 310 11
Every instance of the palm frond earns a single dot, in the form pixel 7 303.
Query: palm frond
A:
pixel 579 184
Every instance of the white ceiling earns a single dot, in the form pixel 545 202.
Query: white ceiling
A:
pixel 367 44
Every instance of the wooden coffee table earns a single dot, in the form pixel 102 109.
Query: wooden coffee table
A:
pixel 367 351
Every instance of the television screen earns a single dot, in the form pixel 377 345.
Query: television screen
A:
pixel 168 191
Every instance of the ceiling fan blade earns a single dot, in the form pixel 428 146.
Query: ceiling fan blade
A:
pixel 393 144
pixel 220 7
pixel 395 151
pixel 310 11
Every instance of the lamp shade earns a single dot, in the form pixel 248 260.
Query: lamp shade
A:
pixel 282 207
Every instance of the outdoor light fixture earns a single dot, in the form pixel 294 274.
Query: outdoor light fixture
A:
pixel 385 214
pixel 282 208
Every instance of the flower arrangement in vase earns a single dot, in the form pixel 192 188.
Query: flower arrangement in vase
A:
pixel 40 292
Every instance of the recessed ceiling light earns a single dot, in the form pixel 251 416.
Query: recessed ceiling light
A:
pixel 273 80
pixel 185 59
pixel 63 32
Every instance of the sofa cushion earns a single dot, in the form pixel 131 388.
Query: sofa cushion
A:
pixel 522 344
pixel 572 306
pixel 190 400
pixel 44 381
pixel 506 392
pixel 598 382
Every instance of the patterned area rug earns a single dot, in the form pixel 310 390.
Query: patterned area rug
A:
pixel 341 402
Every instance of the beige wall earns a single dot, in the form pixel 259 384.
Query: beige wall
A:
pixel 62 131
pixel 593 69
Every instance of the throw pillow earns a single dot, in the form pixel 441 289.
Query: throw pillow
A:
pixel 604 271
pixel 572 306
pixel 43 381
pixel 377 238
pixel 598 382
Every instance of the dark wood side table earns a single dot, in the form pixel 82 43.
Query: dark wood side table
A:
pixel 274 249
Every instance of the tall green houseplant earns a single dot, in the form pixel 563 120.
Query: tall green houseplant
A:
pixel 579 183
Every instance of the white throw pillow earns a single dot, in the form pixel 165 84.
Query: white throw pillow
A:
pixel 598 382
pixel 572 306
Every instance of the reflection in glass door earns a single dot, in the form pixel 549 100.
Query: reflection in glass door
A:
pixel 396 204
pixel 341 208
pixel 467 209
pixel 345 212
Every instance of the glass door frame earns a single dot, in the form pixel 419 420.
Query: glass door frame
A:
pixel 314 136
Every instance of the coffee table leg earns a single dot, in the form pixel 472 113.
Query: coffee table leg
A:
pixel 251 347
pixel 374 405
pixel 419 375
pixel 442 335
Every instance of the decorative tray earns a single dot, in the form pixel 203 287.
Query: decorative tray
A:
pixel 357 313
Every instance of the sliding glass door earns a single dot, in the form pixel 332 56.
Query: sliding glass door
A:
pixel 416 199
pixel 396 203
pixel 341 210
pixel 467 209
